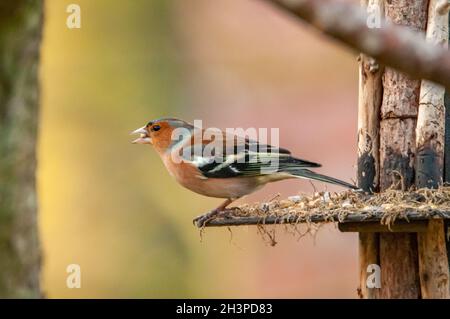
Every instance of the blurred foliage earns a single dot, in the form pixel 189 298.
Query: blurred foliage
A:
pixel 111 207
pixel 96 211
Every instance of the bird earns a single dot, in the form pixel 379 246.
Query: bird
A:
pixel 234 166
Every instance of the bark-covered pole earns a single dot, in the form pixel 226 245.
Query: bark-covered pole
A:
pixel 20 34
pixel 433 263
pixel 431 116
pixel 369 104
pixel 447 161
pixel 398 252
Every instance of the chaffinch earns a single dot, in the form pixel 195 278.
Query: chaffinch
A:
pixel 222 165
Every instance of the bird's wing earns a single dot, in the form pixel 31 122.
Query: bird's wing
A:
pixel 248 164
pixel 243 158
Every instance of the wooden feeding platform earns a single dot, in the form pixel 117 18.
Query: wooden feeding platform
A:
pixel 391 211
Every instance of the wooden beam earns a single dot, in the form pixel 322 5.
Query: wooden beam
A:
pixel 433 263
pixel 376 227
pixel 374 215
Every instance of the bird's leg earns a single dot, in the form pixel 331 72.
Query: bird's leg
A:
pixel 202 219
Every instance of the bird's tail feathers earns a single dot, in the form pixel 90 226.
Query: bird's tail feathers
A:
pixel 305 173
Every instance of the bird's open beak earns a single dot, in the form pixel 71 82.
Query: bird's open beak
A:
pixel 143 138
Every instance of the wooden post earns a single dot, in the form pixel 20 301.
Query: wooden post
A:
pixel 431 119
pixel 369 104
pixel 369 247
pixel 433 263
pixel 447 240
pixel 398 252
pixel 447 161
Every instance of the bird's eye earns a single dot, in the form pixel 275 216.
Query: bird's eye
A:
pixel 156 128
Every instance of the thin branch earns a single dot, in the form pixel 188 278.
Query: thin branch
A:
pixel 392 45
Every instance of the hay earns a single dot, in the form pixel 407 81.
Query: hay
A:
pixel 345 206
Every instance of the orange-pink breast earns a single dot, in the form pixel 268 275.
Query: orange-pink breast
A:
pixel 190 177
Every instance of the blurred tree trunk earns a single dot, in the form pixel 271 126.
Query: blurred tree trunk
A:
pixel 20 35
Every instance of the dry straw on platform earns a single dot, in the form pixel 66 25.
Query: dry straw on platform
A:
pixel 348 206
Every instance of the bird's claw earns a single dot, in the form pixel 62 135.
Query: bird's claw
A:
pixel 200 221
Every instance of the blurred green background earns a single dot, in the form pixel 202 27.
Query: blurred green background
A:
pixel 112 208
